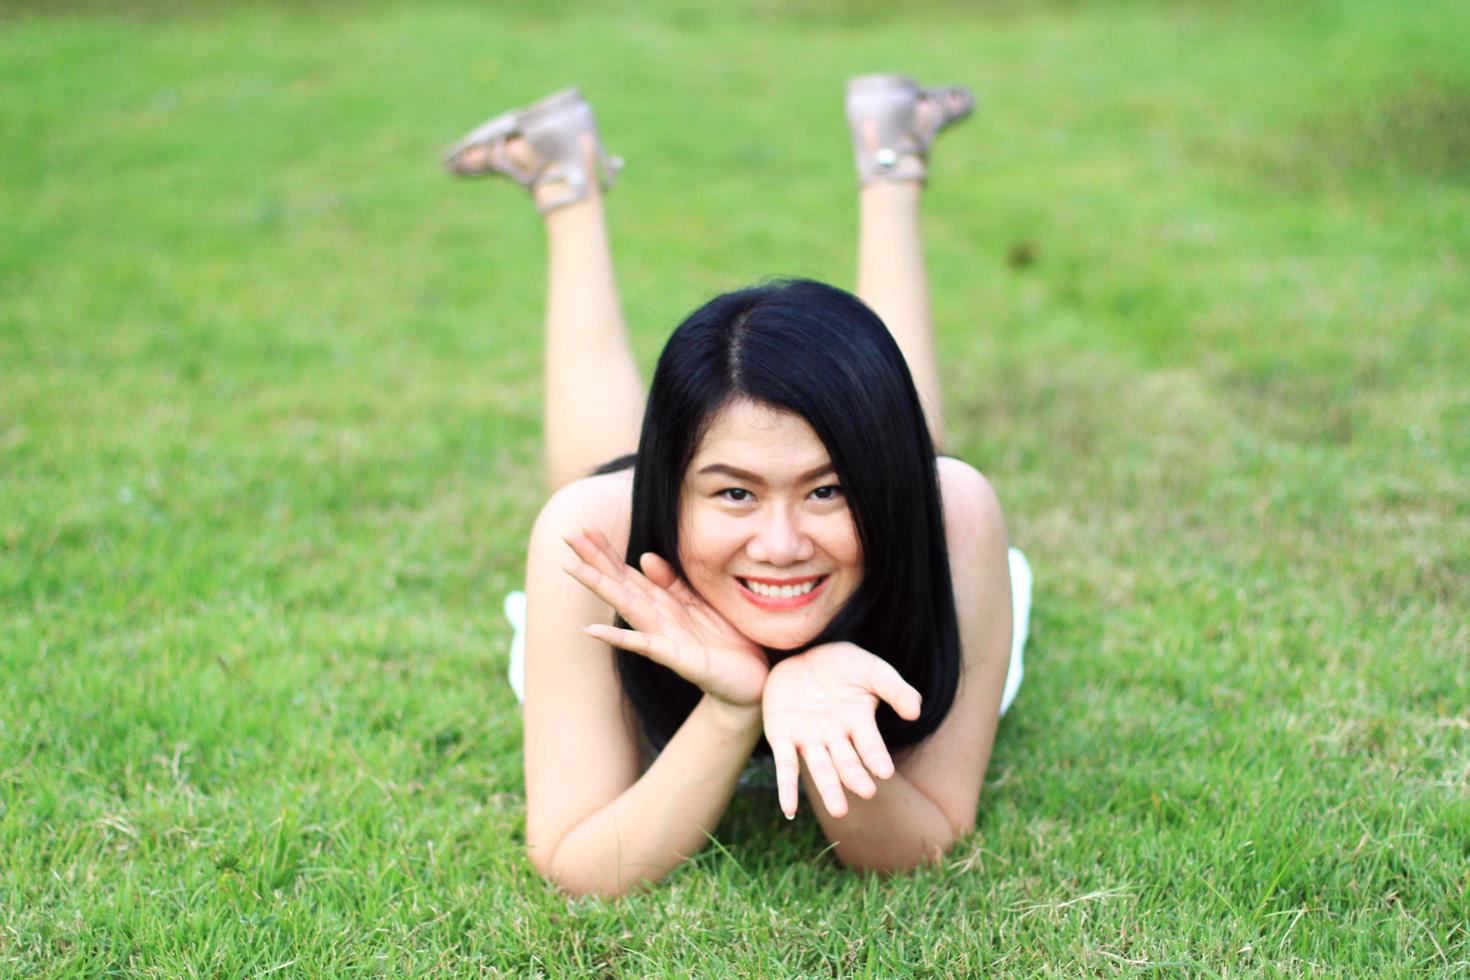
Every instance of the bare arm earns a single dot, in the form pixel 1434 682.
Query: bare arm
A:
pixel 594 825
pixel 667 815
pixel 930 800
pixel 900 827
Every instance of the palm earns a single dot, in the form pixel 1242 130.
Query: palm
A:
pixel 671 624
pixel 817 695
pixel 821 705
pixel 702 647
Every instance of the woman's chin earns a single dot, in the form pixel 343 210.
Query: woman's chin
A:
pixel 774 630
pixel 780 640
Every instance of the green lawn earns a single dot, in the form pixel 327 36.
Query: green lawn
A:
pixel 269 403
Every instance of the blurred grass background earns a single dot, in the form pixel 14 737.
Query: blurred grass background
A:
pixel 269 396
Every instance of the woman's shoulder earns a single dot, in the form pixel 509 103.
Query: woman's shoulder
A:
pixel 971 508
pixel 603 501
pixel 978 565
pixel 963 486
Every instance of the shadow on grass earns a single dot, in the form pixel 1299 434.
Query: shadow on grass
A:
pixel 760 842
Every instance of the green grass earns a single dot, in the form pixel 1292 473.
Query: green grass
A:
pixel 269 406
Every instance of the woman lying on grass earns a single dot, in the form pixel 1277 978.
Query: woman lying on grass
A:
pixel 785 555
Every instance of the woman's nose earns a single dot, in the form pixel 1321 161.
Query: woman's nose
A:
pixel 780 540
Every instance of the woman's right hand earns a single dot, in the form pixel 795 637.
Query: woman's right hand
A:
pixel 672 624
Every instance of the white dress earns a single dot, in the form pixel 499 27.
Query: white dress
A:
pixel 515 611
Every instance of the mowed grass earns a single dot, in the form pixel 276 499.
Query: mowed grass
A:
pixel 269 399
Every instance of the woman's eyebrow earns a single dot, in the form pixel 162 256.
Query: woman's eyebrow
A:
pixel 725 469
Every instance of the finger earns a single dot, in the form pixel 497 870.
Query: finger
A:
pixel 593 548
pixel 654 647
pixel 661 573
pixel 874 753
pixel 889 685
pixel 605 586
pixel 665 587
pixel 632 605
pixel 829 786
pixel 602 544
pixel 611 566
pixel 587 550
pixel 788 775
pixel 850 767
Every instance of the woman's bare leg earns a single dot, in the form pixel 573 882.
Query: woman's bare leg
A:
pixel 893 280
pixel 593 405
pixel 593 398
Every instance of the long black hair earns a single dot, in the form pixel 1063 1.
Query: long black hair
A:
pixel 819 352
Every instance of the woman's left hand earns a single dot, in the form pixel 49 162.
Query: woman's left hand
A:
pixel 821 703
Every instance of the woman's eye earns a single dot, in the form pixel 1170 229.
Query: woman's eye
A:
pixel 734 493
pixel 827 493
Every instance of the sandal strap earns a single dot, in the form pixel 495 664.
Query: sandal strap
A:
pixel 554 129
pixel 883 113
pixel 573 180
pixel 484 137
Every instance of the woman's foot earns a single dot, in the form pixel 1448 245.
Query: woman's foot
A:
pixel 894 122
pixel 551 148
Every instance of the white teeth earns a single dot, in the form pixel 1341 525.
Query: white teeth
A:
pixel 782 591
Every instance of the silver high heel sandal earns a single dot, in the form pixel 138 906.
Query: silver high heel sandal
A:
pixel 894 122
pixel 553 129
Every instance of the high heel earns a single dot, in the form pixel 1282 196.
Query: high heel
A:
pixel 555 132
pixel 894 122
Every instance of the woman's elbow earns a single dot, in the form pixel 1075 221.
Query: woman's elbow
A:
pixel 892 861
pixel 580 882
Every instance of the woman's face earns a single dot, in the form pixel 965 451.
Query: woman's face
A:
pixel 765 535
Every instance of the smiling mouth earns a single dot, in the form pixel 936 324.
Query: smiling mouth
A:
pixel 781 593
